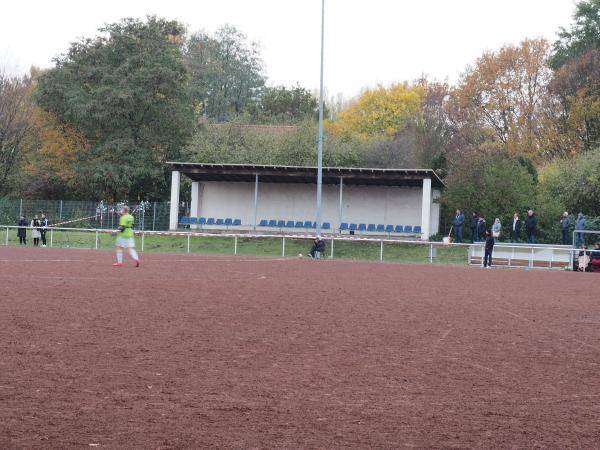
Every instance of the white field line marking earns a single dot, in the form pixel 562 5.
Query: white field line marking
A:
pixel 150 260
pixel 549 330
pixel 41 260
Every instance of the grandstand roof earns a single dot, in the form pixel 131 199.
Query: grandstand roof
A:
pixel 304 174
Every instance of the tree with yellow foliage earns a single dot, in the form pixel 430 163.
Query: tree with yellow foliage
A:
pixel 379 113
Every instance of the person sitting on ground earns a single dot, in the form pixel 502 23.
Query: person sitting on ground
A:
pixel 489 248
pixel 317 248
pixel 583 261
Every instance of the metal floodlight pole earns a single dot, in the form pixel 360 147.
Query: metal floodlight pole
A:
pixel 320 144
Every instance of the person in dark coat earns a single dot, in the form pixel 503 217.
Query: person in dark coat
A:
pixel 489 248
pixel 481 228
pixel 43 228
pixel 579 226
pixel 515 229
pixel 530 226
pixel 318 246
pixel 458 223
pixel 565 224
pixel 22 231
pixel 474 233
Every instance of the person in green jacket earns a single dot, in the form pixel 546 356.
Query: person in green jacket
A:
pixel 125 237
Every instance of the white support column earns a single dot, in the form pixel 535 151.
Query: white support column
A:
pixel 255 201
pixel 426 210
pixel 174 213
pixel 195 206
pixel 341 212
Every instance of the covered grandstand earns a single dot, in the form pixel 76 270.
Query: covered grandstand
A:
pixel 361 200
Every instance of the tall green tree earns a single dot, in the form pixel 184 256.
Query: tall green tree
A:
pixel 583 35
pixel 16 123
pixel 226 72
pixel 127 91
pixel 576 60
pixel 281 104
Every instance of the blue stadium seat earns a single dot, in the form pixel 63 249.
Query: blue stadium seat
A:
pixel 193 221
pixel 398 229
pixel 201 220
pixel 263 223
pixel 281 223
pixel 185 220
pixel 237 222
pixel 343 226
pixel 210 221
pixel 308 224
pixel 272 223
pixel 380 228
pixel 219 222
pixel 290 224
pixel 389 229
pixel 371 227
pixel 326 226
pixel 352 227
pixel 299 224
pixel 417 229
pixel 228 222
pixel 362 227
pixel 408 229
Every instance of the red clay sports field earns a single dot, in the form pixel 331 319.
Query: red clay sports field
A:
pixel 228 352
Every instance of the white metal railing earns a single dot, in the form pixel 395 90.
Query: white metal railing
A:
pixel 472 250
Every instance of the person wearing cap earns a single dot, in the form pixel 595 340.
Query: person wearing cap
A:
pixel 125 237
pixel 317 248
pixel 565 223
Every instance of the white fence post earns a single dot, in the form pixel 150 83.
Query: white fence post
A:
pixel 235 245
pixel 431 252
pixel 188 242
pixel 51 237
pixel 283 247
pixel 331 254
pixel 7 236
pixel 96 239
pixel 381 250
pixel 531 259
pixel 143 235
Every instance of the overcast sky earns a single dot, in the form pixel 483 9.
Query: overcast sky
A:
pixel 366 41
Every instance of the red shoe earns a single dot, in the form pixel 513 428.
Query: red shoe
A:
pixel 117 264
pixel 137 263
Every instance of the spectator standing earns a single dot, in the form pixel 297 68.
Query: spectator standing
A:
pixel 496 227
pixel 489 248
pixel 481 228
pixel 458 223
pixel 579 226
pixel 474 235
pixel 515 231
pixel 22 231
pixel 35 232
pixel 565 224
pixel 530 226
pixel 43 229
